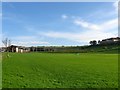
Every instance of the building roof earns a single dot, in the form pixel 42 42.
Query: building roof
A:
pixel 111 38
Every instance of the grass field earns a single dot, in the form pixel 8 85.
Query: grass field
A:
pixel 55 70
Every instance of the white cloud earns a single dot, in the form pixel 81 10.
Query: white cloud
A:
pixel 87 25
pixel 91 31
pixel 80 37
pixel 23 38
pixel 27 41
pixel 108 25
pixel 115 4
pixel 64 16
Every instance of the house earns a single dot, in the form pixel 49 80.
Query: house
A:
pixel 12 48
pixel 42 49
pixel 110 40
pixel 18 49
pixel 2 49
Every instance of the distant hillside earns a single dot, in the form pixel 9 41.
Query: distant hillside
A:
pixel 114 48
pixel 111 45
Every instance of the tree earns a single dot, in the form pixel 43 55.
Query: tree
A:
pixel 99 41
pixel 7 44
pixel 94 42
pixel 91 42
pixel 32 49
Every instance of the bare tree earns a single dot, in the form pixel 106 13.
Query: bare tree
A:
pixel 7 44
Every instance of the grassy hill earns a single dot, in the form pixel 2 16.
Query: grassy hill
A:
pixel 103 48
pixel 75 67
pixel 114 48
pixel 60 70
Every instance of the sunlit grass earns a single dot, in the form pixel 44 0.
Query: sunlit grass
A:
pixel 54 70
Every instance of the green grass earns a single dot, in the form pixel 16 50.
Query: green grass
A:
pixel 54 70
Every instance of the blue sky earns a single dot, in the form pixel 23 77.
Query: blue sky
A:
pixel 38 24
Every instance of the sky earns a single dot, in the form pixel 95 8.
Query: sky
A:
pixel 60 23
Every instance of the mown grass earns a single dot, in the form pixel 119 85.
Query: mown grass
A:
pixel 54 70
